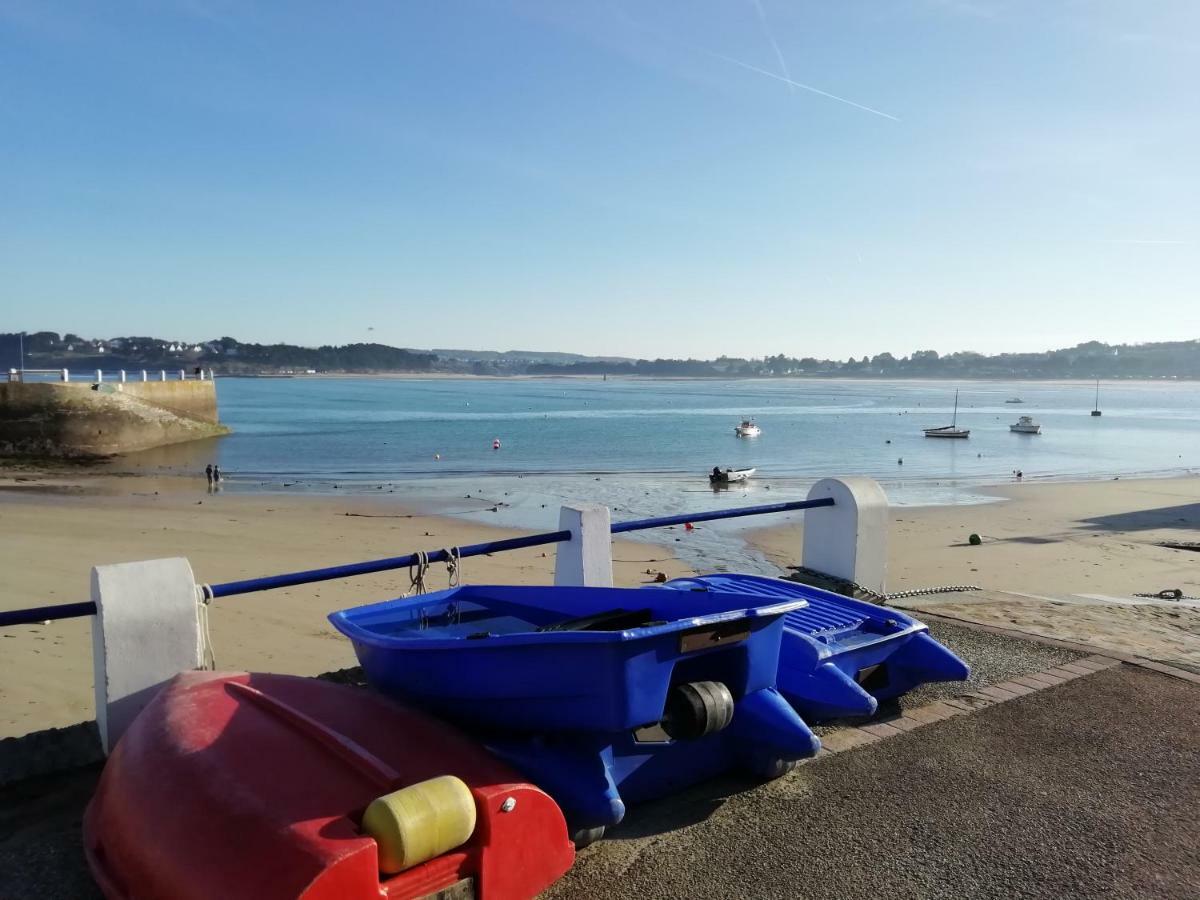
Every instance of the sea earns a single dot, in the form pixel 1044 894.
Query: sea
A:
pixel 644 447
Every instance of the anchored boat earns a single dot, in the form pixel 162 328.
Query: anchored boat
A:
pixel 952 430
pixel 601 696
pixel 729 476
pixel 747 428
pixel 1025 425
pixel 841 656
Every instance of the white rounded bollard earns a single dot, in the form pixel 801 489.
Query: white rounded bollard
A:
pixel 849 539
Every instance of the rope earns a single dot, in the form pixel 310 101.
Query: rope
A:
pixel 1168 594
pixel 416 574
pixel 454 566
pixel 208 655
pixel 844 585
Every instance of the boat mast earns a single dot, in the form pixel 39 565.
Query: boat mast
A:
pixel 954 420
pixel 1097 406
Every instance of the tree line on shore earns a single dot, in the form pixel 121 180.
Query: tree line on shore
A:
pixel 1092 359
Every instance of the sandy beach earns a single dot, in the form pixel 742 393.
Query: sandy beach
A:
pixel 55 526
pixel 1049 555
pixel 1061 560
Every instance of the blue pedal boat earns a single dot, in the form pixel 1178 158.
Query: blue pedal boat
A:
pixel 840 656
pixel 602 696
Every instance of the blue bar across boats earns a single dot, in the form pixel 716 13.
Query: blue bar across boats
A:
pixel 602 696
pixel 840 656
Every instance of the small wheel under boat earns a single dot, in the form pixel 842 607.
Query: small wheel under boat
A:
pixel 584 836
pixel 696 709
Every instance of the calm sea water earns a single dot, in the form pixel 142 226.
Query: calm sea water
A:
pixel 644 447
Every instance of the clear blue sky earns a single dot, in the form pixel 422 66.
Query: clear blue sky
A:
pixel 637 178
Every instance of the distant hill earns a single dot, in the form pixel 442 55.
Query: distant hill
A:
pixel 226 355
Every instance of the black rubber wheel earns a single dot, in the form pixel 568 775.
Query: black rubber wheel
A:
pixel 696 709
pixel 584 836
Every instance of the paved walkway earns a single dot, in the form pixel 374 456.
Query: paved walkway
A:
pixel 1088 788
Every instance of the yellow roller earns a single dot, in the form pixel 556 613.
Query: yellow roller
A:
pixel 419 822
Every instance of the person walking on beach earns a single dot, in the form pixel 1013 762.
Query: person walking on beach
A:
pixel 208 473
pixel 216 475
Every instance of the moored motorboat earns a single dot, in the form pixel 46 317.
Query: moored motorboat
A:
pixel 601 696
pixel 747 428
pixel 1025 425
pixel 729 476
pixel 1014 400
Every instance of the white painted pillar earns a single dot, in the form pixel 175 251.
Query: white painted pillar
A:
pixel 849 539
pixel 145 377
pixel 66 375
pixel 122 376
pixel 99 376
pixel 146 631
pixel 182 375
pixel 586 559
pixel 162 374
pixel 12 375
pixel 201 374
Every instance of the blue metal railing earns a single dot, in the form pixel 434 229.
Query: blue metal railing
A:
pixel 291 579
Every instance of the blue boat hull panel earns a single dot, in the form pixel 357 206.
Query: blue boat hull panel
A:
pixel 840 656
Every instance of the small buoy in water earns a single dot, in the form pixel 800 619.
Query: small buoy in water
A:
pixel 888 441
pixel 688 526
pixel 437 456
pixel 496 444
pixel 900 461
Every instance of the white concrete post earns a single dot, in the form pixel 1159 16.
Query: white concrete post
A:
pixel 122 376
pixel 145 377
pixel 99 376
pixel 586 559
pixel 66 375
pixel 849 539
pixel 201 374
pixel 146 630
pixel 162 374
pixel 12 375
pixel 182 375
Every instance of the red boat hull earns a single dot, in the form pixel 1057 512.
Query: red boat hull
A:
pixel 253 786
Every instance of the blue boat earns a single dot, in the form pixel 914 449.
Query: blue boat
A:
pixel 602 696
pixel 840 656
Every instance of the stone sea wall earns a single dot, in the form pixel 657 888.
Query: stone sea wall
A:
pixel 80 420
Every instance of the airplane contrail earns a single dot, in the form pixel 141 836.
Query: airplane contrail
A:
pixel 762 17
pixel 802 86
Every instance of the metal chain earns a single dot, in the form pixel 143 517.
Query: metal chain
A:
pixel 876 596
pixel 1168 594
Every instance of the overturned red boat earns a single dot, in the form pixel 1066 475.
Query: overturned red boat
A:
pixel 270 786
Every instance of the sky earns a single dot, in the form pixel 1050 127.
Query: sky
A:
pixel 682 178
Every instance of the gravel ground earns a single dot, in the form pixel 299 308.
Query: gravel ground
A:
pixel 1089 789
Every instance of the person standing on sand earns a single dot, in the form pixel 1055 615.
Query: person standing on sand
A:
pixel 208 473
pixel 216 474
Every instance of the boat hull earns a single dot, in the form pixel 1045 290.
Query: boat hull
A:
pixel 252 786
pixel 841 656
pixel 948 433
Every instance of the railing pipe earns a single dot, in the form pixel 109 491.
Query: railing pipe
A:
pixel 329 573
pixel 663 521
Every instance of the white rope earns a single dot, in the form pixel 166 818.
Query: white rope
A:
pixel 416 574
pixel 454 566
pixel 208 655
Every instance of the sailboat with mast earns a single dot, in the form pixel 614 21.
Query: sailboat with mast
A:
pixel 952 430
pixel 1096 408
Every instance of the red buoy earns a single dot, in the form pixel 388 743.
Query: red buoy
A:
pixel 688 526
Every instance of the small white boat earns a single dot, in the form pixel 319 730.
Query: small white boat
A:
pixel 729 476
pixel 1026 425
pixel 1014 400
pixel 747 428
pixel 952 430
